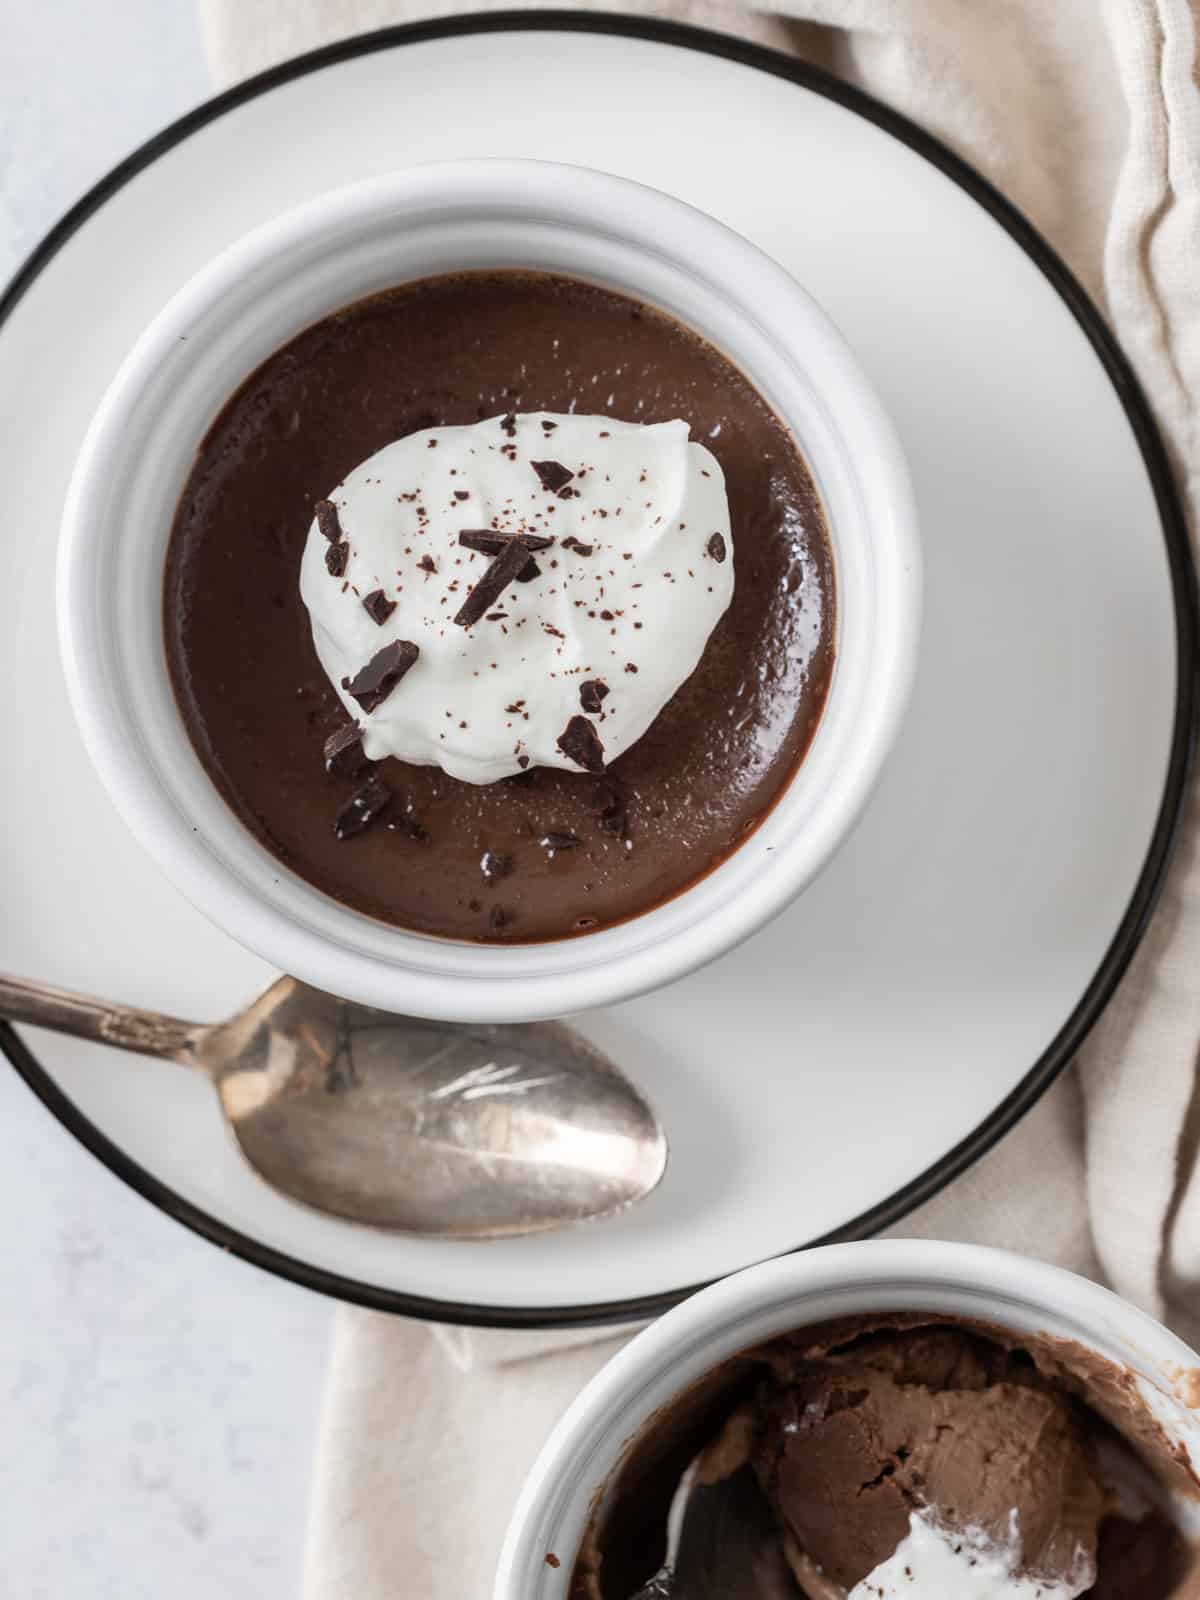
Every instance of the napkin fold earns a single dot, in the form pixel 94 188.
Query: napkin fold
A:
pixel 1086 113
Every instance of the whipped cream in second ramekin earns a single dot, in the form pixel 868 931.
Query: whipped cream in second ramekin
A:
pixel 573 659
pixel 936 1562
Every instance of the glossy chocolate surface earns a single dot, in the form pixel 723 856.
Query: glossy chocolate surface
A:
pixel 581 851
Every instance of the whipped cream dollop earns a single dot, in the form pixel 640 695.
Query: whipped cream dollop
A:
pixel 566 648
pixel 935 1562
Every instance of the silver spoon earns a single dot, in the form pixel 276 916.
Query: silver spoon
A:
pixel 429 1128
pixel 724 1543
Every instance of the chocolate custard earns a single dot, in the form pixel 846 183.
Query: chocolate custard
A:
pixel 548 853
pixel 816 1450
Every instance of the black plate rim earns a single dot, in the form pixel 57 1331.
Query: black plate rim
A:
pixel 1183 579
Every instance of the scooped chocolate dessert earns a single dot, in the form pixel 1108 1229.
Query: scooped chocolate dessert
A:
pixel 900 1457
pixel 500 606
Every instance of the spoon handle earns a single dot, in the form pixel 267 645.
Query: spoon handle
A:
pixel 102 1021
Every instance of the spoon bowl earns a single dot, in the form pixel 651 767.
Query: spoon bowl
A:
pixel 442 1130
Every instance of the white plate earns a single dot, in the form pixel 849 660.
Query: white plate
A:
pixel 842 1065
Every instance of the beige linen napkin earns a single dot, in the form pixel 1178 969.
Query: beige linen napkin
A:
pixel 1086 113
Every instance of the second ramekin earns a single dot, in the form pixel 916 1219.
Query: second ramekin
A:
pixel 318 258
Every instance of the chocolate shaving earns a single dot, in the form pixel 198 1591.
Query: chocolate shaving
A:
pixel 548 426
pixel 509 424
pixel 615 819
pixel 559 841
pixel 378 607
pixel 715 546
pixel 372 684
pixel 580 743
pixel 427 564
pixel 344 754
pixel 500 573
pixel 553 476
pixel 522 762
pixel 490 543
pixel 494 867
pixel 612 809
pixel 409 827
pixel 336 558
pixel 592 694
pixel 580 549
pixel 361 809
pixel 328 521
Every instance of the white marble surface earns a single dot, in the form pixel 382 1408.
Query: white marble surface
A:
pixel 158 1398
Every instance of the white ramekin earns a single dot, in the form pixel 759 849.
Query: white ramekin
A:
pixel 354 242
pixel 570 1475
